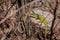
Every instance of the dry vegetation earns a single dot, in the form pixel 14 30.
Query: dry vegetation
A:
pixel 16 25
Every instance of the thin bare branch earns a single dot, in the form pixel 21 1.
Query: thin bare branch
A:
pixel 8 16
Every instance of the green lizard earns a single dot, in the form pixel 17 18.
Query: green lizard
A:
pixel 42 19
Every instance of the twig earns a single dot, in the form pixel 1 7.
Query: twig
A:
pixel 3 2
pixel 3 20
pixel 53 19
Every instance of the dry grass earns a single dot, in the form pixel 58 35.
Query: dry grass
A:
pixel 16 25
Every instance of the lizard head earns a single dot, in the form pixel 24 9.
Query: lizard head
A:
pixel 36 16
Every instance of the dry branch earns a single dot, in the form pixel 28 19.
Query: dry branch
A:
pixel 8 16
